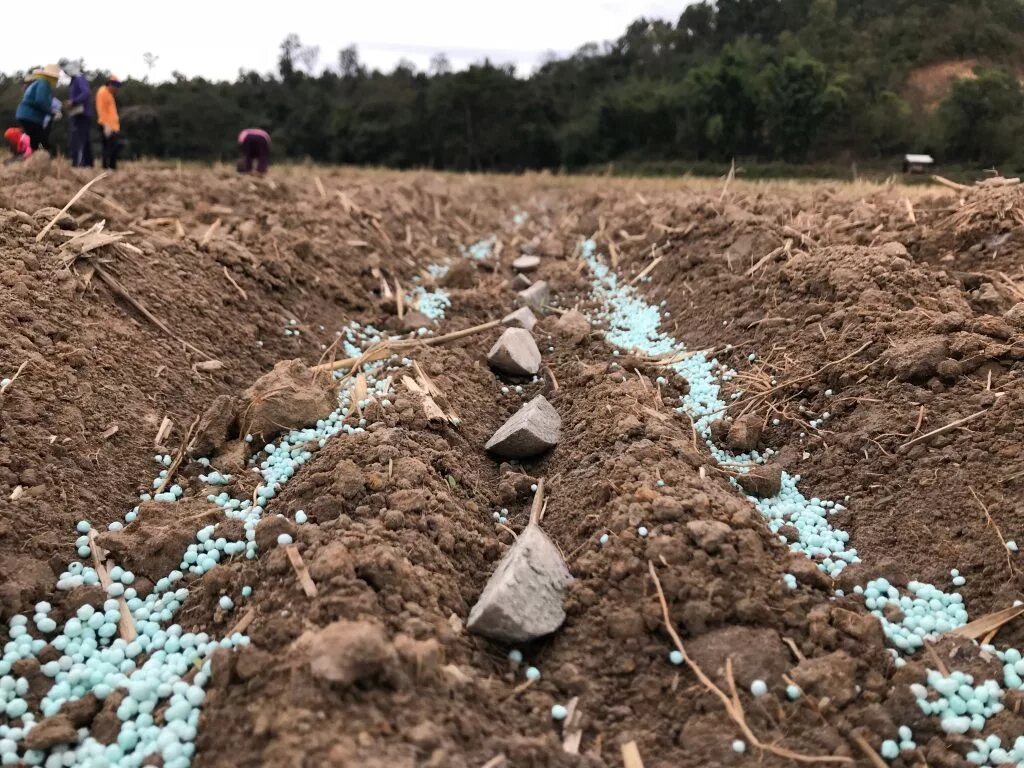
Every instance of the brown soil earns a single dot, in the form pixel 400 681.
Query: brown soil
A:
pixel 378 669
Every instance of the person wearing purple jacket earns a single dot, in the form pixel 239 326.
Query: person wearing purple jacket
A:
pixel 82 115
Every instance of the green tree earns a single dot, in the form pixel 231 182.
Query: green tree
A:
pixel 797 106
pixel 982 117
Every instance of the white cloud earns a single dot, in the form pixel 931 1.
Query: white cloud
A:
pixel 215 40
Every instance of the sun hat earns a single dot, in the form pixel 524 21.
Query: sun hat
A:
pixel 51 71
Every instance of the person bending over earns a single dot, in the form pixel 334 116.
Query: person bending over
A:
pixel 254 144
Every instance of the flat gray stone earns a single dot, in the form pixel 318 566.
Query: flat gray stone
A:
pixel 521 282
pixel 536 296
pixel 533 429
pixel 515 353
pixel 526 263
pixel 522 600
pixel 521 318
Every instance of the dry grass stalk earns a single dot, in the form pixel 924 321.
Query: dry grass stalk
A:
pixel 731 703
pixel 374 352
pixel 572 733
pixel 431 410
pixel 498 761
pixel 179 457
pixel 7 385
pixel 869 752
pixel 799 379
pixel 947 183
pixel 209 233
pixel 999 533
pixel 768 257
pixel 946 428
pixel 537 509
pixel 910 210
pixel 647 270
pixel 120 291
pixel 165 429
pixel 71 202
pixel 320 187
pixel 301 571
pixel 434 392
pixel 238 288
pixel 988 624
pixel 126 625
pixel 399 299
pixel 631 755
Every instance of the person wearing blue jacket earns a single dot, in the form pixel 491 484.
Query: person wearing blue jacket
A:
pixel 82 114
pixel 37 104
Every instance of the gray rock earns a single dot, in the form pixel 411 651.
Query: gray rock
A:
pixel 515 353
pixel 533 429
pixel 521 282
pixel 526 263
pixel 521 318
pixel 536 296
pixel 523 598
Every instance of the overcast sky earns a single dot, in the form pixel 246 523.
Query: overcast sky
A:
pixel 214 39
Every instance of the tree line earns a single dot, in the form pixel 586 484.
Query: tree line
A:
pixel 772 80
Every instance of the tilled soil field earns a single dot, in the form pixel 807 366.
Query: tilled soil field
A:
pixel 763 507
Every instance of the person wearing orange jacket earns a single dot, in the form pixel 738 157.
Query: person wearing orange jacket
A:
pixel 106 116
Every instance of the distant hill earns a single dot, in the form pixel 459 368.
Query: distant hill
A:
pixel 771 80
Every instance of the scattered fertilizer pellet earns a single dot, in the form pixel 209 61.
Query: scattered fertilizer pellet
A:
pixel 226 603
pixel 758 688
pixel 642 532
pixel 676 657
pixel 604 538
pixel 300 517
pixel 558 712
pixel 739 746
pixel 284 540
pixel 532 673
pixel 1011 545
pixel 793 692
pixel 515 656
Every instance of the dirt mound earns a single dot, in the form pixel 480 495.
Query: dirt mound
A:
pixel 850 353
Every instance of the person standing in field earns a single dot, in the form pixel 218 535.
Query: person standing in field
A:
pixel 82 113
pixel 37 105
pixel 106 116
pixel 254 144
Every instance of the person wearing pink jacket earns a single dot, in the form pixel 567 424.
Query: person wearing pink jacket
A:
pixel 19 142
pixel 254 144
